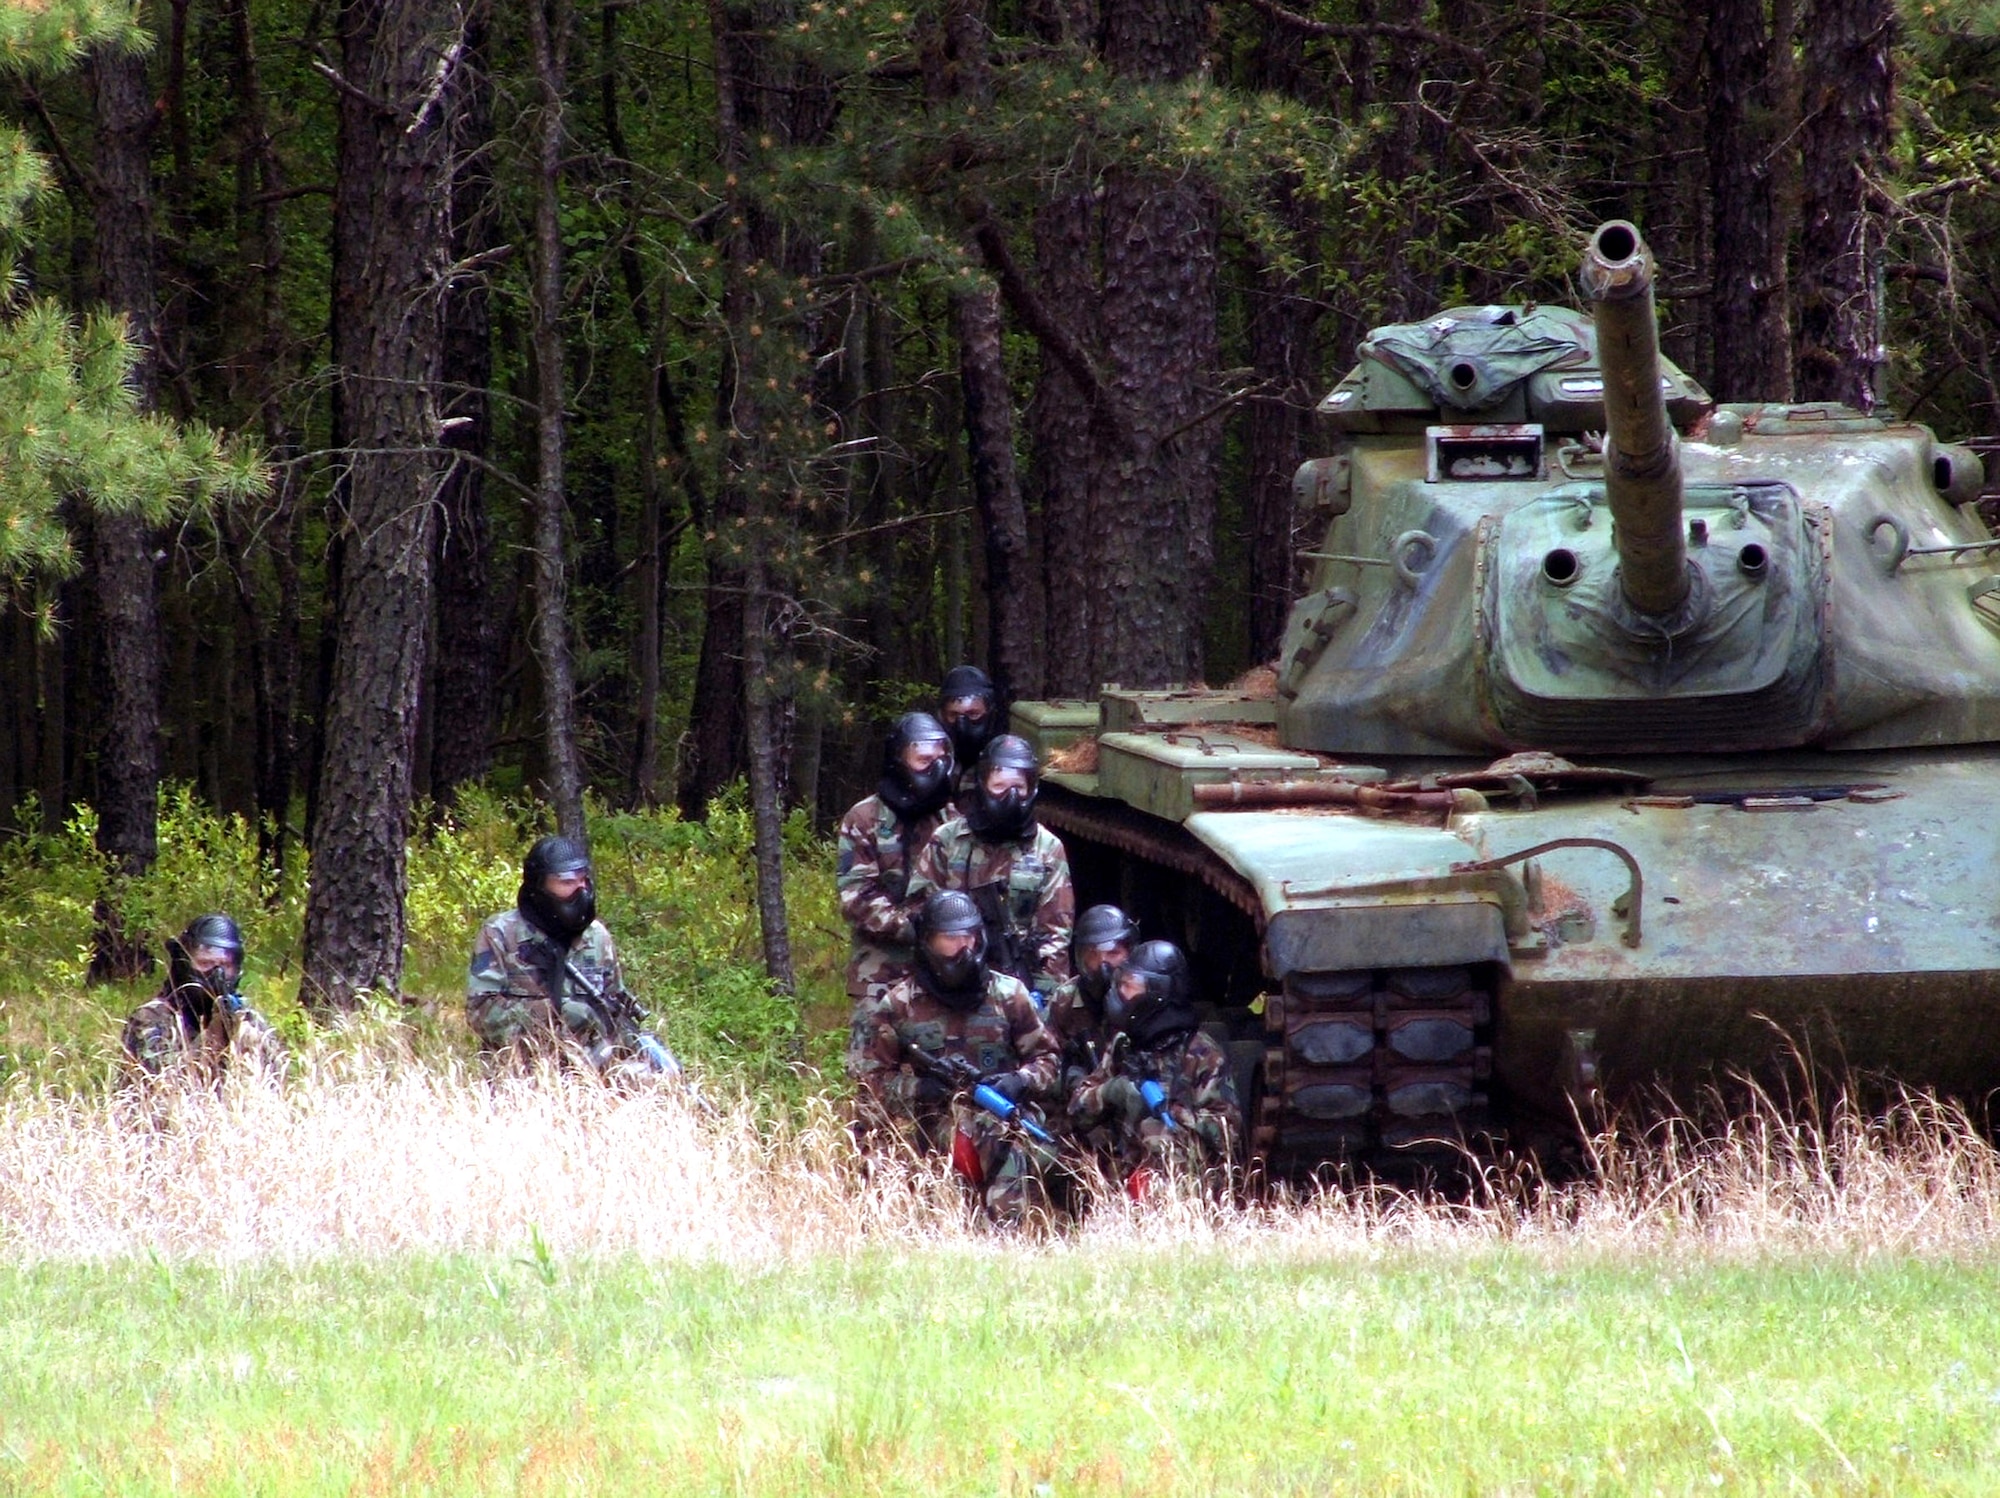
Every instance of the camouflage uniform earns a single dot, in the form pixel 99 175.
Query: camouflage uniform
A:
pixel 520 1001
pixel 1002 1034
pixel 1022 888
pixel 1079 1029
pixel 1201 1097
pixel 876 850
pixel 164 1038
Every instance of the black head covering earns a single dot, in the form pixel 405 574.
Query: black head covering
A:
pixel 563 921
pixel 911 796
pixel 195 989
pixel 1094 928
pixel 967 737
pixel 1010 816
pixel 1164 1010
pixel 955 982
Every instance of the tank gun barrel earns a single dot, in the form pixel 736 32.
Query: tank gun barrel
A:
pixel 1642 462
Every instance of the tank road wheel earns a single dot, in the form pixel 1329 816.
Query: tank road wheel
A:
pixel 1388 1069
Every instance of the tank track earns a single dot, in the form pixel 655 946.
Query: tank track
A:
pixel 1383 1068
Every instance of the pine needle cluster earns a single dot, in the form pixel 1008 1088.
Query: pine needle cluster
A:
pixel 70 425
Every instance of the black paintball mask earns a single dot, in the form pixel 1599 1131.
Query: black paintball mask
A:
pixel 1161 1004
pixel 562 921
pixel 915 794
pixel 1009 815
pixel 956 982
pixel 969 705
pixel 205 962
pixel 1101 927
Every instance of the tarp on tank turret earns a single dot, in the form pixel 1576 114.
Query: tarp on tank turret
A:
pixel 1469 358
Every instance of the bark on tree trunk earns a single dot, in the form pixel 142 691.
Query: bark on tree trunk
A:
pixel 1066 429
pixel 1749 127
pixel 548 33
pixel 1277 429
pixel 746 496
pixel 392 229
pixel 1128 474
pixel 130 651
pixel 465 706
pixel 1848 94
pixel 1011 585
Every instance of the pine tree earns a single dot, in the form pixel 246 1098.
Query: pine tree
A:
pixel 70 425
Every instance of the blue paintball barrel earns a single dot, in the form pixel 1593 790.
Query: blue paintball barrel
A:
pixel 1156 1102
pixel 998 1104
pixel 655 1054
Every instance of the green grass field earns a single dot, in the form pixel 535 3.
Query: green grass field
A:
pixel 983 1369
pixel 388 1276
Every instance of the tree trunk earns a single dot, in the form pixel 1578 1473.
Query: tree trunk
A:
pixel 276 636
pixel 548 32
pixel 1066 429
pixel 745 493
pixel 392 227
pixel 1749 127
pixel 1011 584
pixel 1848 95
pixel 130 651
pixel 1128 472
pixel 465 706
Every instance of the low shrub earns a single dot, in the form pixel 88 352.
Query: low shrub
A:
pixel 679 897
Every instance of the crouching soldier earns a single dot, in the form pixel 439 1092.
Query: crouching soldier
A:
pixel 955 1014
pixel 1163 1098
pixel 879 839
pixel 198 1027
pixel 1103 939
pixel 1015 869
pixel 545 981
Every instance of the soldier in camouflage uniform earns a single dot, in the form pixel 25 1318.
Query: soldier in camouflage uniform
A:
pixel 1103 940
pixel 197 1027
pixel 953 1006
pixel 879 839
pixel 969 708
pixel 545 980
pixel 1015 869
pixel 1196 1126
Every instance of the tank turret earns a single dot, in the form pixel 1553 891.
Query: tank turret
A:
pixel 1642 461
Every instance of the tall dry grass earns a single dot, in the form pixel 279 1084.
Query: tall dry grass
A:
pixel 366 1152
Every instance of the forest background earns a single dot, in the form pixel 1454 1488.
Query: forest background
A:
pixel 648 397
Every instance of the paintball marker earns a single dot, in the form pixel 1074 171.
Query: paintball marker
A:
pixel 1156 1103
pixel 655 1054
pixel 959 1073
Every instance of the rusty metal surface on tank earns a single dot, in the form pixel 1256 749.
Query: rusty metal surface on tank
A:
pixel 1622 740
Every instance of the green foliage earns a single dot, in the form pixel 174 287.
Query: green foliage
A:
pixel 69 420
pixel 46 36
pixel 678 896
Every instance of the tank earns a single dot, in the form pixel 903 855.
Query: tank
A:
pixel 1622 743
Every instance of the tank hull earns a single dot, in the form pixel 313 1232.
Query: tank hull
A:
pixel 1841 907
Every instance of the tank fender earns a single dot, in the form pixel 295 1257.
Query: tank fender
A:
pixel 1342 892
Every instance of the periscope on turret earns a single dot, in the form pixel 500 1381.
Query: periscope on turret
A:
pixel 1622 740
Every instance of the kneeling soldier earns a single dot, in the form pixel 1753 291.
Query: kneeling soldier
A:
pixel 545 979
pixel 1163 1097
pixel 1103 940
pixel 954 1014
pixel 198 1026
pixel 879 839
